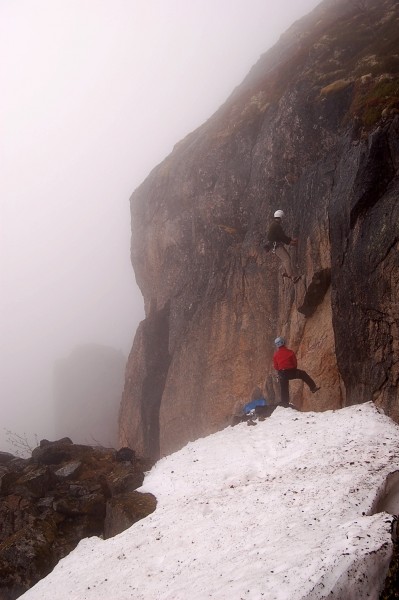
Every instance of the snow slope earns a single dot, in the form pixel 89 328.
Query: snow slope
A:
pixel 280 511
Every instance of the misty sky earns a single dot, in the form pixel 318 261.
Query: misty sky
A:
pixel 94 94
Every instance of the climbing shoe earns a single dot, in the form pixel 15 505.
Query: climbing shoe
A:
pixel 316 389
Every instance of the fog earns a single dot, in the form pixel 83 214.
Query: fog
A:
pixel 94 94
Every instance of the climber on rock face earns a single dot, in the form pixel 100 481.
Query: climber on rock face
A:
pixel 285 363
pixel 277 238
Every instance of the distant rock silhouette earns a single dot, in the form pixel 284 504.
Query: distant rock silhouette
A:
pixel 88 387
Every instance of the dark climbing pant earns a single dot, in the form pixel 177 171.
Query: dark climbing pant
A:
pixel 286 376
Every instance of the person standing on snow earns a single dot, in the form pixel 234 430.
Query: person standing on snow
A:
pixel 277 238
pixel 285 363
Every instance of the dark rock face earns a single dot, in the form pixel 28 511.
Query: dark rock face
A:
pixel 60 495
pixel 364 230
pixel 312 130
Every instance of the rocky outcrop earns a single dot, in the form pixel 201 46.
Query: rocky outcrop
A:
pixel 60 495
pixel 312 130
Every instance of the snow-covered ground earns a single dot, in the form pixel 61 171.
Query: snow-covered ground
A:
pixel 280 511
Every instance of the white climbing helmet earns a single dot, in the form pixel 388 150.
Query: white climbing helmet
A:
pixel 279 341
pixel 279 214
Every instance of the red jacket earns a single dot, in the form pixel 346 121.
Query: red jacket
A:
pixel 284 358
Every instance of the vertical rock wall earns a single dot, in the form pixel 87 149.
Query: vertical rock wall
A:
pixel 293 136
pixel 364 228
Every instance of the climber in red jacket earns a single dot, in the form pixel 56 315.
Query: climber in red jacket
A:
pixel 285 363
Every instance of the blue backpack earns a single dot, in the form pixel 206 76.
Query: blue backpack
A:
pixel 253 404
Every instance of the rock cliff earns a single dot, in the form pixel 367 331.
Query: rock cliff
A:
pixel 312 130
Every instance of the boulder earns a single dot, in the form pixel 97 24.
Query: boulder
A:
pixel 125 509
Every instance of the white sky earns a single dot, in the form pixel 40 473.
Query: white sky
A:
pixel 281 511
pixel 95 93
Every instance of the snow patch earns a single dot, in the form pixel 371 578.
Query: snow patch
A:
pixel 286 510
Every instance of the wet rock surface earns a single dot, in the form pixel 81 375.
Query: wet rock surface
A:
pixel 62 494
